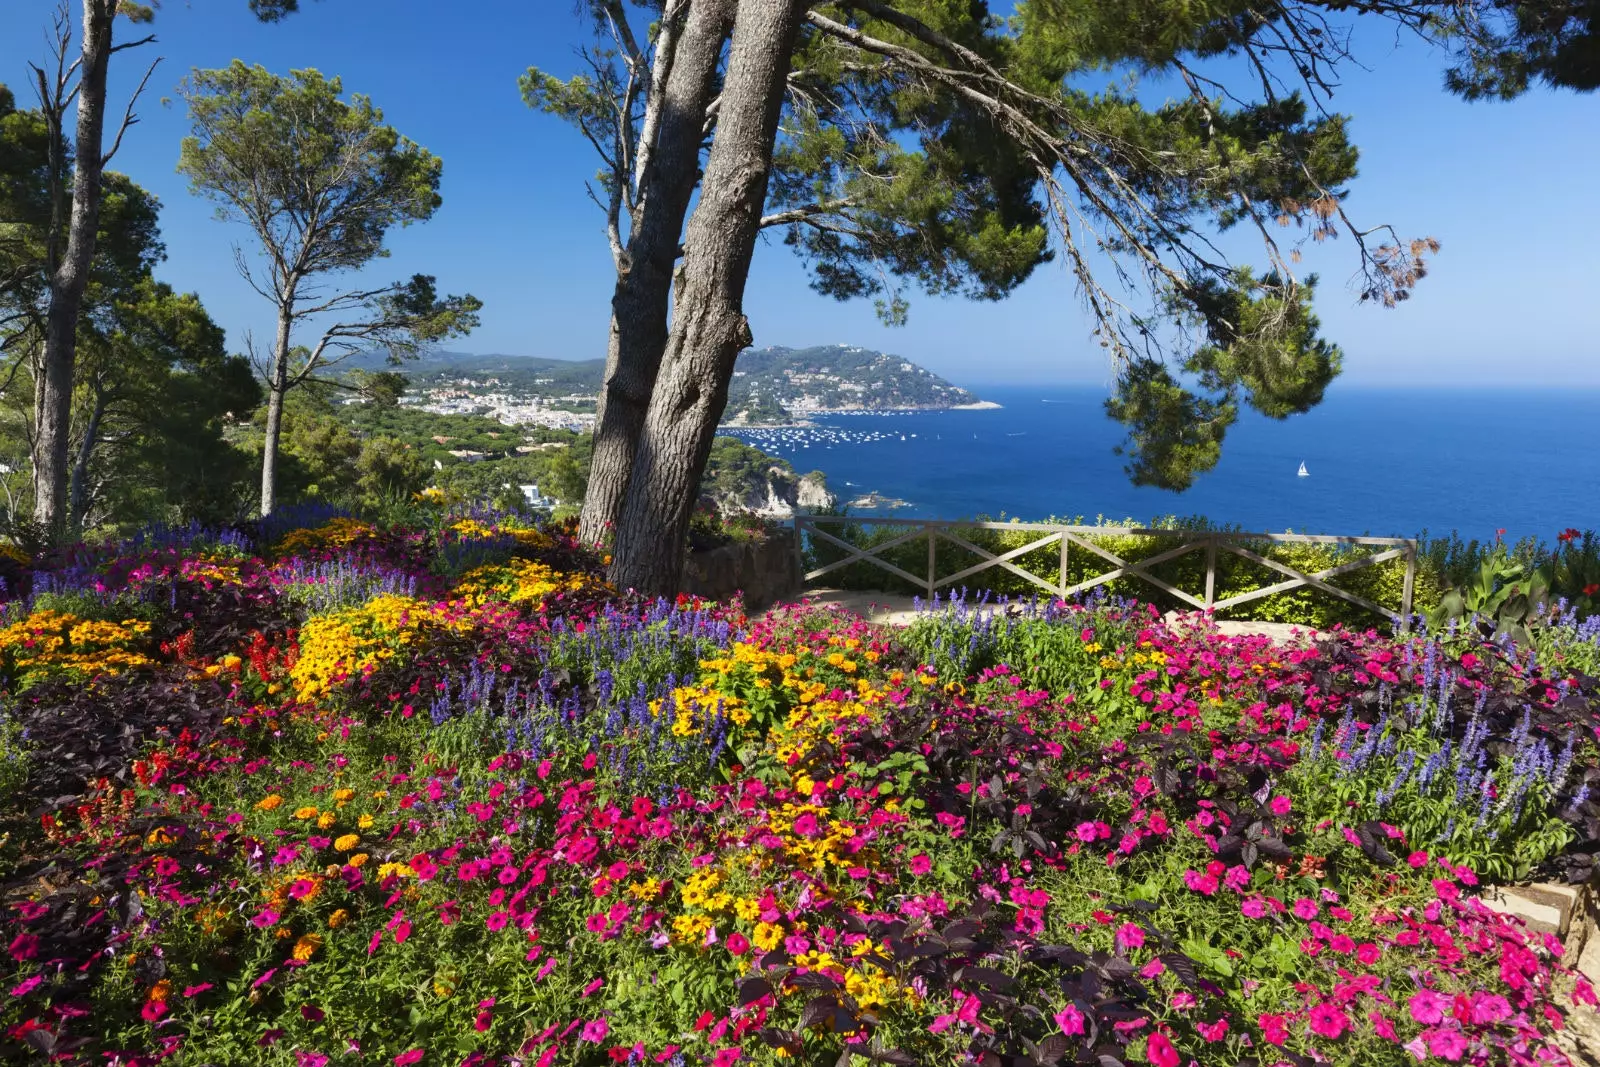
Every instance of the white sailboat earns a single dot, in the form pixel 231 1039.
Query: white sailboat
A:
pixel 1303 472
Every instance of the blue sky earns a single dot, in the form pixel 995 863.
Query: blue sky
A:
pixel 1507 189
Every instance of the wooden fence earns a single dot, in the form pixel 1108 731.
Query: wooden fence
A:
pixel 935 531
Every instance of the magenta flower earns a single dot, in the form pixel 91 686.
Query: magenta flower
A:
pixel 1253 908
pixel 921 864
pixel 1428 1007
pixel 405 1059
pixel 1446 1044
pixel 1306 908
pixel 1070 1019
pixel 1328 1020
pixel 1129 935
pixel 1159 1051
pixel 595 1031
pixel 24 946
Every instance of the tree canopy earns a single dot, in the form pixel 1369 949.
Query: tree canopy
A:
pixel 320 181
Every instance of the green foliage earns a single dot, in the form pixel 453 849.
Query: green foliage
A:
pixel 1516 590
pixel 1499 819
pixel 1173 434
pixel 1262 349
pixel 288 156
pixel 1510 45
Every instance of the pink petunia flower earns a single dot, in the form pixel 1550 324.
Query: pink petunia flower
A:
pixel 595 1030
pixel 1328 1020
pixel 1446 1044
pixel 1427 1007
pixel 1070 1019
pixel 1159 1051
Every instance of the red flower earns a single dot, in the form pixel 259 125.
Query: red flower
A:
pixel 1591 589
pixel 1569 534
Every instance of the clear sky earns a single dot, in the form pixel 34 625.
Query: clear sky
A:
pixel 1513 298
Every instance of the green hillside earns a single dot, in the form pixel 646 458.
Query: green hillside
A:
pixel 773 384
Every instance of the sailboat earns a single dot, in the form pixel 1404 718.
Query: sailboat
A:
pixel 1303 472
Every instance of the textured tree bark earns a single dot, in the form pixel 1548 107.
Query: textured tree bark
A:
pixel 708 328
pixel 640 300
pixel 52 446
pixel 277 386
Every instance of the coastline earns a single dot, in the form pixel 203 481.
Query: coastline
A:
pixel 805 421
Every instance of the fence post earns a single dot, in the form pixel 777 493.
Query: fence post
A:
pixel 1065 545
pixel 1409 590
pixel 1211 570
pixel 932 574
pixel 800 549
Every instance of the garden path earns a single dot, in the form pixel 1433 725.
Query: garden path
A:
pixel 895 609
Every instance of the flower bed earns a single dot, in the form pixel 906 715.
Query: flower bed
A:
pixel 352 795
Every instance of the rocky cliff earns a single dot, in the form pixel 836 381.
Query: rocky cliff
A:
pixel 778 495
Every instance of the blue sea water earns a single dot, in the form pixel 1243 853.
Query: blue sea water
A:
pixel 1382 462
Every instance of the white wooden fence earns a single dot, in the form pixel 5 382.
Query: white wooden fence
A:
pixel 1211 543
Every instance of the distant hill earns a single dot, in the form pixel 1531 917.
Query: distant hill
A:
pixel 804 381
pixel 773 384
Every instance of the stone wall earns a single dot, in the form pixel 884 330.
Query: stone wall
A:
pixel 1571 913
pixel 764 571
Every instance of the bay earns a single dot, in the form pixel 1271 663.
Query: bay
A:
pixel 1381 462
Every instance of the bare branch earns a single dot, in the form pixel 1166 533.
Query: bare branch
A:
pixel 128 117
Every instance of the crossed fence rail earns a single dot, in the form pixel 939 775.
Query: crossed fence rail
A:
pixel 1066 536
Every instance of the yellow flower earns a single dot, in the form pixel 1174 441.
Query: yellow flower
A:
pixel 307 812
pixel 690 929
pixel 269 802
pixel 767 936
pixel 648 889
pixel 306 946
pixel 326 820
pixel 338 919
pixel 358 859
pixel 342 797
pixel 364 822
pixel 347 842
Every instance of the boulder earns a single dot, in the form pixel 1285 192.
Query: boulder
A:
pixel 765 571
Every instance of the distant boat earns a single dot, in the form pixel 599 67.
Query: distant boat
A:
pixel 1303 472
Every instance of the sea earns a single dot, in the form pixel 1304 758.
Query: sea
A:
pixel 1379 462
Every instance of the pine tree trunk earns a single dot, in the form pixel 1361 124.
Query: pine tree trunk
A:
pixel 52 446
pixel 709 328
pixel 640 300
pixel 277 386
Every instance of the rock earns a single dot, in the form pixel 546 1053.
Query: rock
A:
pixel 764 571
pixel 778 496
pixel 1543 914
pixel 812 493
pixel 1588 963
